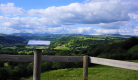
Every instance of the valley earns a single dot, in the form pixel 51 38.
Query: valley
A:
pixel 105 46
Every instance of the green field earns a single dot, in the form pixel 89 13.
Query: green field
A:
pixel 37 47
pixel 93 39
pixel 98 72
pixel 62 47
pixel 9 48
pixel 79 42
pixel 6 64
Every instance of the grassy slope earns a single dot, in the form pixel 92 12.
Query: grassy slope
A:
pixel 72 41
pixel 6 64
pixel 62 47
pixel 9 48
pixel 134 48
pixel 98 72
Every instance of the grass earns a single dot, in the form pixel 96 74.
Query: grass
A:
pixel 6 64
pixel 93 39
pixel 62 47
pixel 37 47
pixel 98 72
pixel 136 61
pixel 72 41
pixel 134 48
pixel 9 48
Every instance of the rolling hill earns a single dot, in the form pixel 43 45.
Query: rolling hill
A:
pixel 10 39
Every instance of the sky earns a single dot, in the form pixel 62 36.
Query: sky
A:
pixel 88 17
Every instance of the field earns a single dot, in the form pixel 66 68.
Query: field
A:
pixel 9 48
pixel 62 47
pixel 6 64
pixel 37 47
pixel 98 72
pixel 78 42
pixel 93 39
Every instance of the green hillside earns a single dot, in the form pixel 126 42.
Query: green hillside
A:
pixel 77 42
pixel 10 39
pixel 98 72
pixel 134 48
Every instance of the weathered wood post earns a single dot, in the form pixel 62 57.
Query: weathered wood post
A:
pixel 37 64
pixel 37 45
pixel 85 67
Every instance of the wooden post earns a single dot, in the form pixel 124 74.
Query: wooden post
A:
pixel 85 67
pixel 37 64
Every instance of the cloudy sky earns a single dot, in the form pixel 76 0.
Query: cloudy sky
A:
pixel 91 17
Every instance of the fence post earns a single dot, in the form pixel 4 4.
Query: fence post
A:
pixel 85 67
pixel 37 64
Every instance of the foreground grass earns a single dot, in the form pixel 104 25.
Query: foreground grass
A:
pixel 98 72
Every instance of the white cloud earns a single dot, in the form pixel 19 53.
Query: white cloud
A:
pixel 9 8
pixel 3 19
pixel 86 30
pixel 110 15
pixel 125 31
pixel 7 24
pixel 28 23
pixel 107 31
pixel 133 15
pixel 87 13
pixel 135 30
pixel 115 25
pixel 8 30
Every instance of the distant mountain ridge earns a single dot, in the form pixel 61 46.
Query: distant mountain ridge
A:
pixel 23 34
